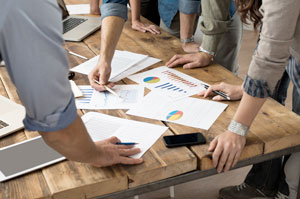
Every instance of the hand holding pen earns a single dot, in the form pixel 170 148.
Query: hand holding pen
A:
pixel 223 91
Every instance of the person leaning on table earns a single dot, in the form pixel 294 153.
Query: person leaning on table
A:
pixel 279 41
pixel 31 46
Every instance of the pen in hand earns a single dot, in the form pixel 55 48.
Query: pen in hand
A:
pixel 217 92
pixel 108 89
pixel 126 143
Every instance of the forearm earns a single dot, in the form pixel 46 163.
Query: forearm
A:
pixel 248 109
pixel 187 25
pixel 135 10
pixel 111 30
pixel 73 142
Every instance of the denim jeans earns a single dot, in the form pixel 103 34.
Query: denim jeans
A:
pixel 269 176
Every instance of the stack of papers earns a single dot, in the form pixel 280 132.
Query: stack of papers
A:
pixel 101 126
pixel 124 63
pixel 92 99
pixel 169 82
pixel 188 111
pixel 78 9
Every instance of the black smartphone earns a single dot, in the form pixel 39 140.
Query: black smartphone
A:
pixel 184 140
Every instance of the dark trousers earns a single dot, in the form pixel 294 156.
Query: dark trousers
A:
pixel 269 176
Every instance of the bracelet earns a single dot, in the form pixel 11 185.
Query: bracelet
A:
pixel 206 51
pixel 238 128
pixel 188 40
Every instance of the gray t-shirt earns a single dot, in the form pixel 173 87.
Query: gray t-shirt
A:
pixel 31 46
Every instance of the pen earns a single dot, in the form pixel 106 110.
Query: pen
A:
pixel 217 92
pixel 72 53
pixel 126 143
pixel 108 89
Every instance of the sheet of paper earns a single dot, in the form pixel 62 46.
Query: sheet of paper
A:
pixel 131 95
pixel 85 101
pixel 101 126
pixel 78 9
pixel 76 91
pixel 122 61
pixel 188 111
pixel 169 82
pixel 92 99
pixel 136 68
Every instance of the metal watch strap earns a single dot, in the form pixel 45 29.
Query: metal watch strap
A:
pixel 206 51
pixel 238 128
pixel 188 40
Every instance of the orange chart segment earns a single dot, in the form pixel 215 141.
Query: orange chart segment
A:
pixel 151 80
pixel 174 115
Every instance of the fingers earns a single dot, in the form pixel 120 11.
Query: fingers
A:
pixel 129 152
pixel 179 59
pixel 175 57
pixel 126 160
pixel 113 140
pixel 213 145
pixel 191 65
pixel 236 158
pixel 229 161
pixel 222 160
pixel 218 98
pixel 138 28
pixel 217 154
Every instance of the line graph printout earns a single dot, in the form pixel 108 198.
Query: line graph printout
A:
pixel 169 82
pixel 92 99
pixel 101 126
pixel 130 94
pixel 189 111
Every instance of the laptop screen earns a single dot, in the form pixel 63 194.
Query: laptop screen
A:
pixel 63 8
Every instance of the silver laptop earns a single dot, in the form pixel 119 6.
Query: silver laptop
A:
pixel 11 116
pixel 76 28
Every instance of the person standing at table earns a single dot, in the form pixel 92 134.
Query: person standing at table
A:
pixel 279 39
pixel 38 67
pixel 222 34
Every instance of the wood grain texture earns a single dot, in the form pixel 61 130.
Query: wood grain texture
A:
pixel 32 185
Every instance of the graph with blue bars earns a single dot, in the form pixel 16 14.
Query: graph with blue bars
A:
pixel 170 87
pixel 87 95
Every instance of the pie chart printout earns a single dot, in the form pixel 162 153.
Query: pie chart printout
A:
pixel 151 80
pixel 174 115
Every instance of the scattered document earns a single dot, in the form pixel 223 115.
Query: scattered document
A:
pixel 76 91
pixel 136 68
pixel 92 99
pixel 122 61
pixel 169 82
pixel 78 9
pixel 188 111
pixel 101 126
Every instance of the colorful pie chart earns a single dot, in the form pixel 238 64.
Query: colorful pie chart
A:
pixel 174 115
pixel 151 80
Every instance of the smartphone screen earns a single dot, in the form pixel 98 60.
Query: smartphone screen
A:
pixel 184 140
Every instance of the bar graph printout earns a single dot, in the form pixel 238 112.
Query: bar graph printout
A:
pixel 101 126
pixel 169 82
pixel 92 99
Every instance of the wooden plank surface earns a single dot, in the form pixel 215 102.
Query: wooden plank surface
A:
pixel 32 185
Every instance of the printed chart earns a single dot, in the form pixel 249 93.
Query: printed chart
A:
pixel 189 111
pixel 169 82
pixel 85 101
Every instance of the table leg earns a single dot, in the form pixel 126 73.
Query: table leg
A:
pixel 172 192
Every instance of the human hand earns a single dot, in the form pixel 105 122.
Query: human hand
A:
pixel 235 92
pixel 194 60
pixel 101 73
pixel 190 47
pixel 139 26
pixel 94 7
pixel 110 154
pixel 227 148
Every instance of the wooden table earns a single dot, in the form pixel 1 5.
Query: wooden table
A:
pixel 275 132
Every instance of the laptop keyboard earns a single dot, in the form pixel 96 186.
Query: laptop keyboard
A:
pixel 3 124
pixel 71 23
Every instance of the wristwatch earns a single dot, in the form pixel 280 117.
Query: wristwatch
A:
pixel 206 51
pixel 188 40
pixel 238 128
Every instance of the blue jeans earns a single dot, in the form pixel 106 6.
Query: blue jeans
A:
pixel 269 176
